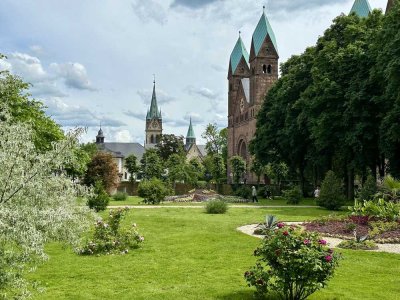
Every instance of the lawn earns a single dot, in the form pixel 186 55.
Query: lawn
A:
pixel 134 200
pixel 188 254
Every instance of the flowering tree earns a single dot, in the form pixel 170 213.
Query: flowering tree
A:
pixel 38 202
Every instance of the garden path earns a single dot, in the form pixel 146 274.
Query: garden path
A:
pixel 332 242
pixel 201 206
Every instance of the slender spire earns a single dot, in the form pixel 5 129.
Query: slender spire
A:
pixel 263 30
pixel 154 113
pixel 390 4
pixel 238 52
pixel 190 132
pixel 361 8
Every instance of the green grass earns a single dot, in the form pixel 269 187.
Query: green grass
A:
pixel 188 254
pixel 134 200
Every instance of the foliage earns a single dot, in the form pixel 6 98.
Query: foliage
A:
pixel 293 263
pixel 170 144
pixel 271 223
pixel 153 191
pixel 99 199
pixel 379 227
pixel 37 202
pixel 293 196
pixel 368 189
pixel 180 170
pixel 14 95
pixel 257 168
pixel 151 165
pixel 132 166
pixel 238 168
pixel 216 206
pixel 83 154
pixel 244 191
pixel 102 168
pixel 120 196
pixel 381 209
pixel 216 141
pixel 277 172
pixel 215 165
pixel 390 189
pixel 109 238
pixel 331 196
pixel 354 245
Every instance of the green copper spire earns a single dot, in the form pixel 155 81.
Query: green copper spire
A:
pixel 153 113
pixel 260 33
pixel 238 52
pixel 190 133
pixel 361 8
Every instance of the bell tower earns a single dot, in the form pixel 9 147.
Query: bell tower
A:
pixel 153 121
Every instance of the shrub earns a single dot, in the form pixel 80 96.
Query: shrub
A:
pixel 271 222
pixel 100 199
pixel 293 263
pixel 293 196
pixel 120 196
pixel 379 227
pixel 201 184
pixel 380 209
pixel 368 190
pixel 354 245
pixel 153 191
pixel 109 238
pixel 331 196
pixel 216 206
pixel 243 192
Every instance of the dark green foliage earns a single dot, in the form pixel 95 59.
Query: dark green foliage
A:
pixel 170 144
pixel 153 191
pixel 243 191
pixel 293 196
pixel 201 184
pixel 368 189
pixel 132 166
pixel 238 168
pixel 354 245
pixel 151 164
pixel 120 196
pixel 216 206
pixel 331 196
pixel 100 199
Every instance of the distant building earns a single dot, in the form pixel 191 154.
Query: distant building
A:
pixel 154 126
pixel 193 151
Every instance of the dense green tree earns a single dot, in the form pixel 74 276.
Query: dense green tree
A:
pixel 132 166
pixel 258 169
pixel 216 140
pixel 170 144
pixel 238 168
pixel 277 172
pixel 83 154
pixel 102 168
pixel 151 165
pixel 14 94
pixel 180 170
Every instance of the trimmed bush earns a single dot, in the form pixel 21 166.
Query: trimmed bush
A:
pixel 243 192
pixel 100 199
pixel 369 189
pixel 293 196
pixel 293 263
pixel 201 184
pixel 216 206
pixel 153 191
pixel 120 196
pixel 331 196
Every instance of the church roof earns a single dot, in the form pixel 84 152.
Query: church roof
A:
pixel 100 133
pixel 153 113
pixel 260 33
pixel 190 133
pixel 361 8
pixel 123 150
pixel 390 4
pixel 238 52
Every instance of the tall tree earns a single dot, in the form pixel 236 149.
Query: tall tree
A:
pixel 216 140
pixel 238 167
pixel 151 164
pixel 170 144
pixel 132 166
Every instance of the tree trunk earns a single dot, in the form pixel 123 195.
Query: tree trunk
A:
pixel 350 184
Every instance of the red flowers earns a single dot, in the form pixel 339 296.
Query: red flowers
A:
pixel 328 258
pixel 280 225
pixel 285 233
pixel 322 242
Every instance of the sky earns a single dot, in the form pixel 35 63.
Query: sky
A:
pixel 92 62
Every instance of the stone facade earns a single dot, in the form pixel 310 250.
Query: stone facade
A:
pixel 249 83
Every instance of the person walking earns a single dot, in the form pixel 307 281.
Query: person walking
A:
pixel 317 192
pixel 254 194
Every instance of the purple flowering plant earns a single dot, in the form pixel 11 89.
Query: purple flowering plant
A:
pixel 293 263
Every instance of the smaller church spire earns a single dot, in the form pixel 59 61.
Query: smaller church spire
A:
pixel 100 136
pixel 190 136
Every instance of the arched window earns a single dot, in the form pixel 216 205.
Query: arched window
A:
pixel 265 69
pixel 242 70
pixel 269 69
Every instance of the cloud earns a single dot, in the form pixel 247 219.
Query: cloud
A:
pixel 28 67
pixel 137 115
pixel 122 136
pixel 193 4
pixel 4 65
pixel 149 10
pixel 298 5
pixel 36 50
pixel 162 97
pixel 74 75
pixel 47 89
pixel 201 91
pixel 196 118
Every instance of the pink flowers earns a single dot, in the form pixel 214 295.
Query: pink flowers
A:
pixel 285 233
pixel 280 225
pixel 328 258
pixel 306 242
pixel 322 242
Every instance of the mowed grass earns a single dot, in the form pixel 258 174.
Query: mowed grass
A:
pixel 278 201
pixel 188 254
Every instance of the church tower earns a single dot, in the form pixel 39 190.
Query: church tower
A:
pixel 390 5
pixel 190 136
pixel 153 121
pixel 100 137
pixel 361 8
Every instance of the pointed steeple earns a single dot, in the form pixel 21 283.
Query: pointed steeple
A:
pixel 238 53
pixel 190 136
pixel 263 30
pixel 100 136
pixel 361 8
pixel 154 113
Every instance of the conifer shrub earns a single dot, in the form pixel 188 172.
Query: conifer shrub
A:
pixel 243 192
pixel 331 196
pixel 216 206
pixel 293 196
pixel 369 189
pixel 153 191
pixel 120 196
pixel 100 199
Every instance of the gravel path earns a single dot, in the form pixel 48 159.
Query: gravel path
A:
pixel 202 206
pixel 332 242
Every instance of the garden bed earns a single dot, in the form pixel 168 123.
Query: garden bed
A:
pixel 199 196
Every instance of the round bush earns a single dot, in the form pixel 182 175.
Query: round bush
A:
pixel 100 199
pixel 293 196
pixel 292 262
pixel 120 196
pixel 331 196
pixel 216 207
pixel 153 191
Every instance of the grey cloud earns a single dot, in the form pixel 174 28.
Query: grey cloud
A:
pixel 290 5
pixel 193 4
pixel 201 91
pixel 196 118
pixel 74 75
pixel 219 68
pixel 46 88
pixel 162 97
pixel 149 10
pixel 28 67
pixel 137 115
